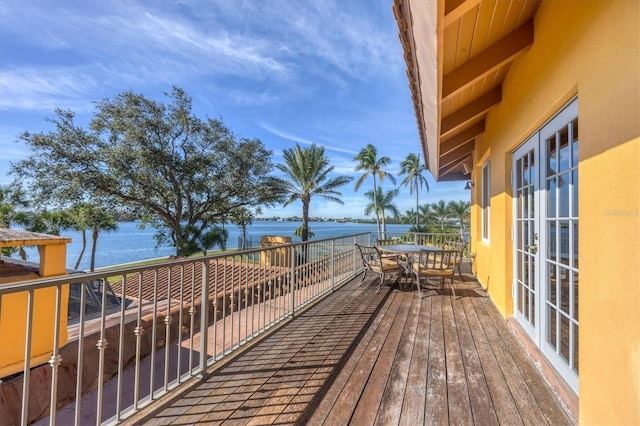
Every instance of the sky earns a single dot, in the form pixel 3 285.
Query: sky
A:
pixel 286 72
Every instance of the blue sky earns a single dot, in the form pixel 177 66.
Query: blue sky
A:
pixel 323 71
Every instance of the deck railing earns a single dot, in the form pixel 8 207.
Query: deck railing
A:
pixel 149 341
pixel 424 238
pixel 119 362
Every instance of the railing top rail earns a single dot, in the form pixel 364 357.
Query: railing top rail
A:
pixel 160 264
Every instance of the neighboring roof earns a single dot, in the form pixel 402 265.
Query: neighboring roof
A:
pixel 224 276
pixel 465 48
pixel 11 272
pixel 17 238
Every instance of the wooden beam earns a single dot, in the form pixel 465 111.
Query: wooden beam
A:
pixel 455 9
pixel 493 57
pixel 452 172
pixel 461 138
pixel 458 154
pixel 454 121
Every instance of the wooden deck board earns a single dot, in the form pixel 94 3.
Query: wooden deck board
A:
pixel 436 405
pixel 527 406
pixel 482 408
pixel 358 377
pixel 370 399
pixel 390 410
pixel 413 405
pixel 501 400
pixel 389 358
pixel 457 387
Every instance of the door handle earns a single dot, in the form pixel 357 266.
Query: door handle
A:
pixel 533 247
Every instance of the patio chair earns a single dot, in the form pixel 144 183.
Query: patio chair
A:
pixel 458 246
pixel 387 242
pixel 384 267
pixel 435 264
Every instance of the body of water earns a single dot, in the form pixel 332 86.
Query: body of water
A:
pixel 129 243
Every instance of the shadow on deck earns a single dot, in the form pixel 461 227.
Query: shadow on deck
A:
pixel 358 357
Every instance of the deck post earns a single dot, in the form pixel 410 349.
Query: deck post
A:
pixel 333 264
pixel 204 319
pixel 292 279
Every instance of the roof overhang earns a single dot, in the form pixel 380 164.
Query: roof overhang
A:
pixel 458 53
pixel 20 238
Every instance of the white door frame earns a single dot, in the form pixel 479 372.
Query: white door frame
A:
pixel 549 315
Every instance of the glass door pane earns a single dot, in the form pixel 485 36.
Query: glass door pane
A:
pixel 525 235
pixel 559 289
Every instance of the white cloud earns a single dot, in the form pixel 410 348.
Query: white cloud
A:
pixel 44 88
pixel 304 141
pixel 252 99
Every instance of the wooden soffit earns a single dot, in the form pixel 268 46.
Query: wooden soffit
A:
pixel 467 46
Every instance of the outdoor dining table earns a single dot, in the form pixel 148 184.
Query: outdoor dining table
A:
pixel 410 251
pixel 407 249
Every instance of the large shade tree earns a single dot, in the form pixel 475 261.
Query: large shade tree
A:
pixel 308 174
pixel 415 179
pixel 181 174
pixel 370 164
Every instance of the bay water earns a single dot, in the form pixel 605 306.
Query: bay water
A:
pixel 128 243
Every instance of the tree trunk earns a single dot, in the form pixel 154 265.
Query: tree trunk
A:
pixel 244 238
pixel 84 246
pixel 417 211
pixel 305 220
pixel 375 204
pixel 384 226
pixel 94 243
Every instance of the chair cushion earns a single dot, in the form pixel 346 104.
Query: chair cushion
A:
pixel 435 272
pixel 387 265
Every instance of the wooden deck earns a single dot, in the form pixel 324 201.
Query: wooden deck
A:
pixel 362 358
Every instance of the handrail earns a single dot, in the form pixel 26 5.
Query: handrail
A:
pixel 234 296
pixel 165 306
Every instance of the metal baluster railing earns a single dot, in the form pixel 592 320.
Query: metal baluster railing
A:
pixel 55 359
pixel 274 283
pixel 78 405
pixel 120 350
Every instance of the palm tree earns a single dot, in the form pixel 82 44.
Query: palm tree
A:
pixel 95 216
pixel 49 222
pixel 409 216
pixel 380 203
pixel 100 220
pixel 460 210
pixel 372 165
pixel 307 170
pixel 12 204
pixel 216 235
pixel 426 214
pixel 79 215
pixel 413 169
pixel 242 217
pixel 440 211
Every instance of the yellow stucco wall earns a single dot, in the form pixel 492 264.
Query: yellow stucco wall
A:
pixel 13 321
pixel 610 290
pixel 590 49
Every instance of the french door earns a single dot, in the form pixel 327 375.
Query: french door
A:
pixel 545 237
